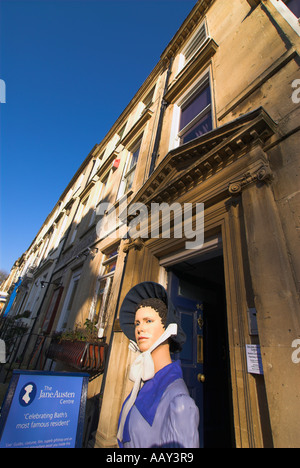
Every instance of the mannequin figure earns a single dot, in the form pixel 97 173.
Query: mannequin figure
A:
pixel 159 412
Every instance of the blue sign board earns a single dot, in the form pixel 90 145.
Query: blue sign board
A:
pixel 44 409
pixel 12 297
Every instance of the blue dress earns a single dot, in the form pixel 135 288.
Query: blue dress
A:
pixel 163 415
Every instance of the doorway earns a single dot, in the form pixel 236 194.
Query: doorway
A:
pixel 197 289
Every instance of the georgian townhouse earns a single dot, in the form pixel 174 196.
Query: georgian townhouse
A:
pixel 214 125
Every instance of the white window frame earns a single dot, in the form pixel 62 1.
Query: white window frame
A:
pixel 78 183
pixel 287 14
pixel 61 230
pixel 187 96
pixel 100 197
pixel 148 100
pixel 128 172
pixel 63 319
pixel 95 167
pixel 192 44
pixel 82 210
pixel 102 319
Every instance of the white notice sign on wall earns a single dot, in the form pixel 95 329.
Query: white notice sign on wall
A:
pixel 254 361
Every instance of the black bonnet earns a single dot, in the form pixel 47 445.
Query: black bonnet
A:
pixel 145 290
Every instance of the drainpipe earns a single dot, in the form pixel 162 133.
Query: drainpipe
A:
pixel 164 105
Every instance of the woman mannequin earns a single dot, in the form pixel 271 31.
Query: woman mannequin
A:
pixel 160 413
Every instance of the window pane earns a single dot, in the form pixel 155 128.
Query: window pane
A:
pixel 112 254
pixel 294 6
pixel 110 267
pixel 148 99
pixel 134 158
pixel 75 285
pixel 129 181
pixel 189 112
pixel 195 44
pixel 202 126
pixel 100 298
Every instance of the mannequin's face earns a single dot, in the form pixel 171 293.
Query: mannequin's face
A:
pixel 148 327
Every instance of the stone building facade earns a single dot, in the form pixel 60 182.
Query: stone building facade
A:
pixel 215 124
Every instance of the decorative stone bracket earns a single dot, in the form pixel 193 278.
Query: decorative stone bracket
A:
pixel 263 174
pixel 136 244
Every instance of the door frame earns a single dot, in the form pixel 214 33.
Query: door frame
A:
pixel 224 230
pixel 212 248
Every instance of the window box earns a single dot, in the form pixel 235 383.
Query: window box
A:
pixel 81 355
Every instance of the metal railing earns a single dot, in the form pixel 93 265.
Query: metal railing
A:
pixel 24 350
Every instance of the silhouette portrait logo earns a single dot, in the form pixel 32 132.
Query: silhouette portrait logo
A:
pixel 27 394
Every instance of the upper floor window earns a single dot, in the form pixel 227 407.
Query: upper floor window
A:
pixel 100 197
pixel 196 114
pixel 195 43
pixel 193 46
pixel 294 6
pixel 99 312
pixel 68 306
pixel 61 229
pixel 80 215
pixel 94 169
pixel 290 10
pixel 78 183
pixel 129 170
pixel 121 132
pixel 148 100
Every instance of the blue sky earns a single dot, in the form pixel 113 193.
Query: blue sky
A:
pixel 70 68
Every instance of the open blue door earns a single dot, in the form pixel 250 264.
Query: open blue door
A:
pixel 197 290
pixel 191 356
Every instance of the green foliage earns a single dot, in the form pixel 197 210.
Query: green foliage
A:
pixel 88 333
